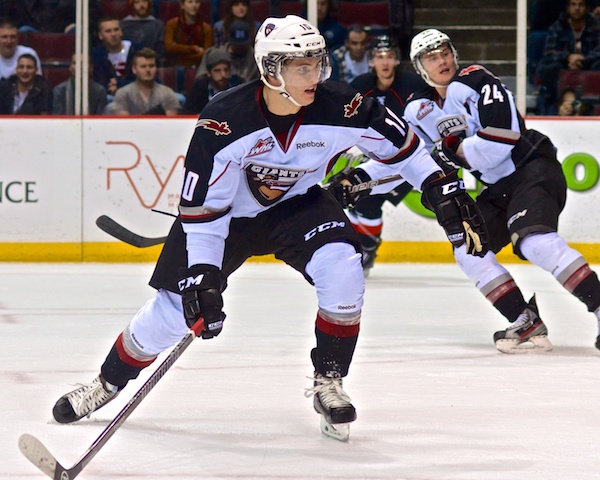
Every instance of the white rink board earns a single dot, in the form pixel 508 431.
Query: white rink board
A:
pixel 58 175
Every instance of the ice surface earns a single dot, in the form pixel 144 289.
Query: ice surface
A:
pixel 435 400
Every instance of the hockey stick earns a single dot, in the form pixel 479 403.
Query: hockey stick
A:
pixel 114 229
pixel 39 455
pixel 359 187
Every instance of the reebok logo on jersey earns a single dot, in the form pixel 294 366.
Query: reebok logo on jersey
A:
pixel 351 108
pixel 323 227
pixel 262 146
pixel 310 144
pixel 425 109
pixel 220 128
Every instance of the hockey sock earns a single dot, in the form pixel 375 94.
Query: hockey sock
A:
pixel 335 346
pixel 120 367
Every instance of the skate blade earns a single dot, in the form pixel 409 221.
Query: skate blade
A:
pixel 339 431
pixel 537 344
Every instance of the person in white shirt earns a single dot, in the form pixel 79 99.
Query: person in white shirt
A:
pixel 10 50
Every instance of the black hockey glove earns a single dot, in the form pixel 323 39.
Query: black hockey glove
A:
pixel 201 287
pixel 344 187
pixel 456 212
pixel 448 153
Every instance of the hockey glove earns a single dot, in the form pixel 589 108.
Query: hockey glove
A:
pixel 448 153
pixel 348 188
pixel 456 212
pixel 201 287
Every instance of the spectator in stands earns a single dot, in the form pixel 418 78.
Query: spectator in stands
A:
pixel 64 95
pixel 351 60
pixel 240 50
pixel 142 28
pixel 334 32
pixel 25 92
pixel 571 106
pixel 187 37
pixel 235 10
pixel 112 59
pixel 56 16
pixel 144 96
pixel 573 43
pixel 217 79
pixel 10 50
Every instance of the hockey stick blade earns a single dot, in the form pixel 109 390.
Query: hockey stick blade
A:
pixel 41 457
pixel 114 229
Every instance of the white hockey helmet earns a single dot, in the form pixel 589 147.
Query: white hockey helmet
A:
pixel 281 39
pixel 426 41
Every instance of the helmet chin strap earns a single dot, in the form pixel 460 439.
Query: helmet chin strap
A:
pixel 281 89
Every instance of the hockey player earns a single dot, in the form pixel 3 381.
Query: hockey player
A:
pixel 250 187
pixel 391 87
pixel 471 117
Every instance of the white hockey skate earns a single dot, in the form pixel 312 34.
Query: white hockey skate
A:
pixel 334 406
pixel 83 401
pixel 527 334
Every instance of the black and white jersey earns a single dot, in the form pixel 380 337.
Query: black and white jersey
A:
pixel 237 167
pixel 494 124
pixel 395 97
pixel 423 113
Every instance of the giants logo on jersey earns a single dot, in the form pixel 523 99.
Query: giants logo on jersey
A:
pixel 351 108
pixel 425 109
pixel 220 128
pixel 269 184
pixel 262 146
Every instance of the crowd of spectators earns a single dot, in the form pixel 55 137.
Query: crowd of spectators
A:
pixel 569 31
pixel 563 35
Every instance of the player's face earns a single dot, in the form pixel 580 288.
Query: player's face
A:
pixel 111 34
pixel 357 45
pixel 8 42
pixel 301 76
pixel 439 65
pixel 141 8
pixel 384 64
pixel 26 70
pixel 144 69
pixel 220 75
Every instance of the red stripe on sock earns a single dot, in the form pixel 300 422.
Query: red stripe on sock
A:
pixel 335 330
pixel 498 292
pixel 128 359
pixel 579 276
pixel 368 229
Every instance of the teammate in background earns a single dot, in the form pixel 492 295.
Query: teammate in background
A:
pixel 480 129
pixel 251 187
pixel 390 86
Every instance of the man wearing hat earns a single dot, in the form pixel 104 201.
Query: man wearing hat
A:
pixel 218 77
pixel 240 50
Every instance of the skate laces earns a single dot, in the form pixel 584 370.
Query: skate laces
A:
pixel 87 398
pixel 329 390
pixel 525 318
